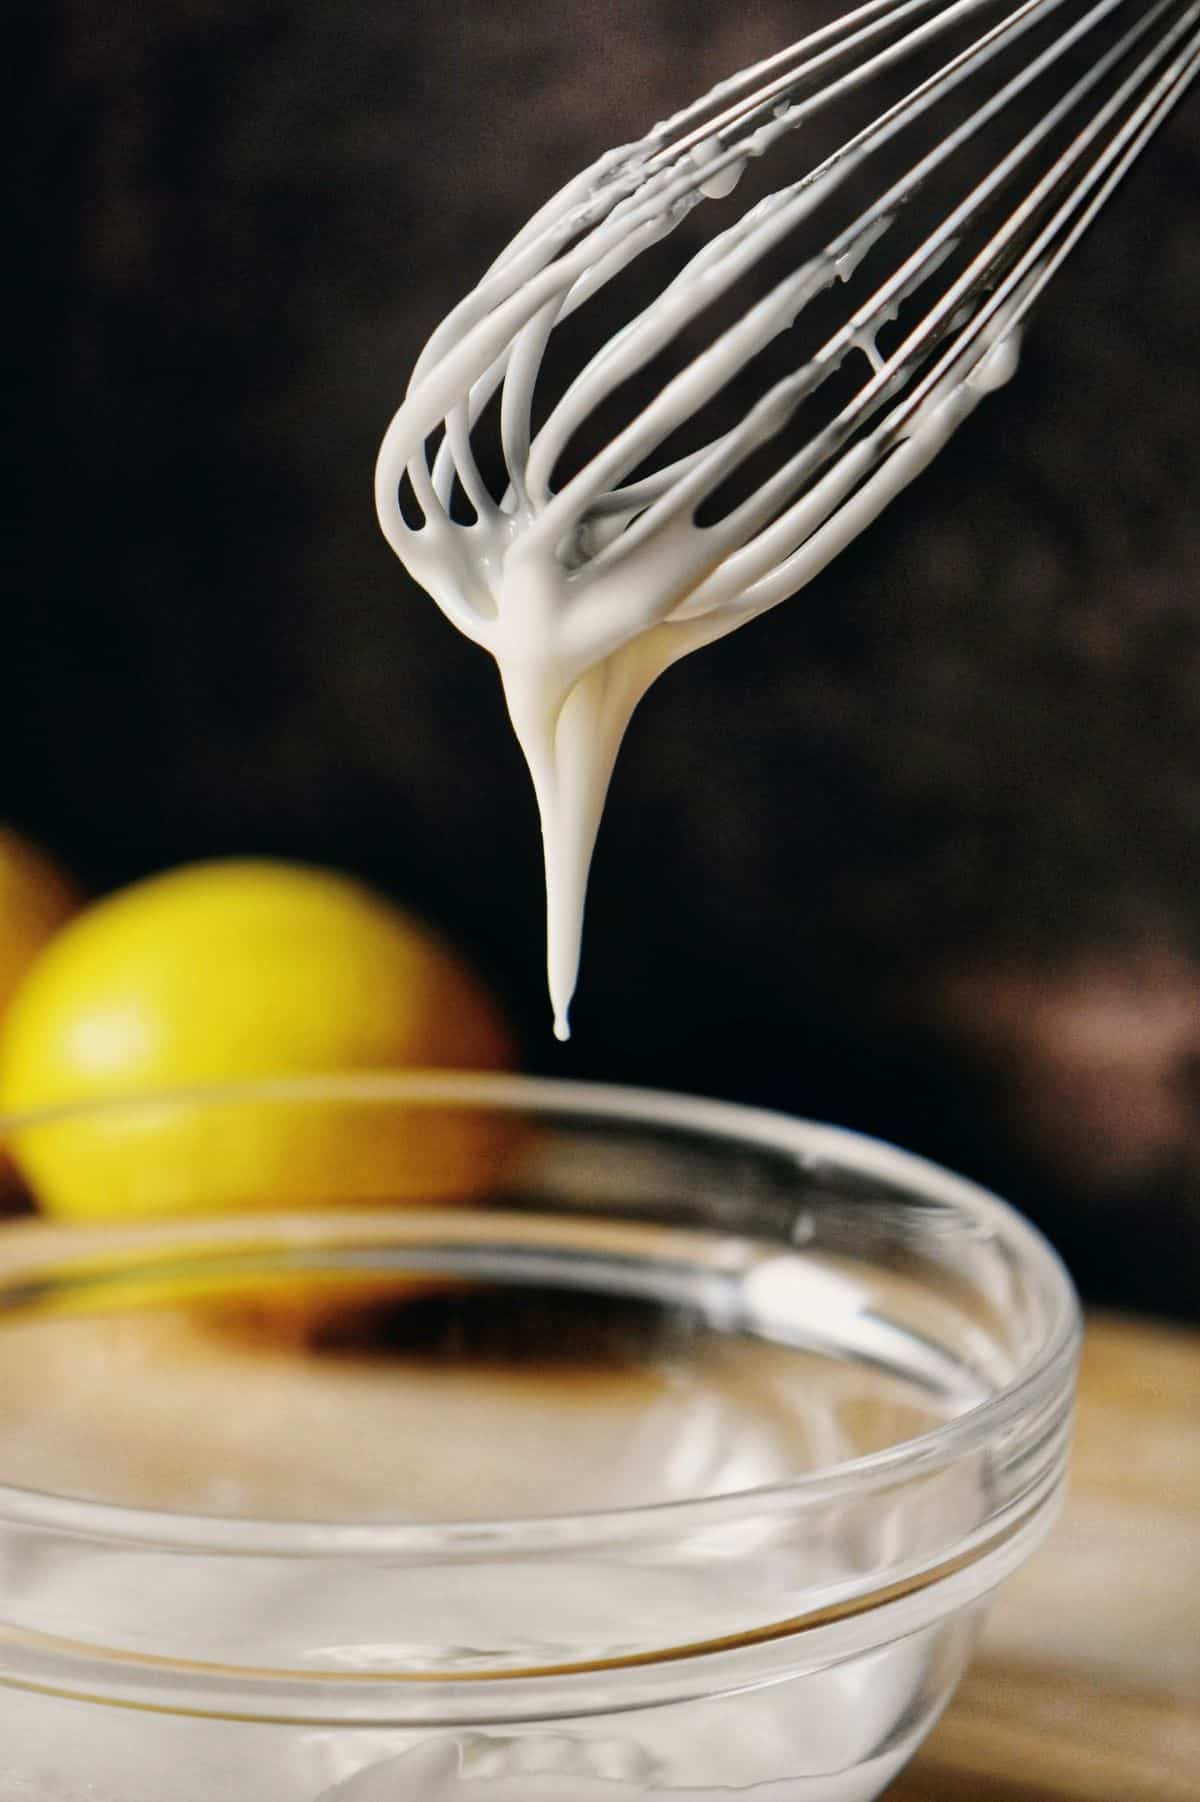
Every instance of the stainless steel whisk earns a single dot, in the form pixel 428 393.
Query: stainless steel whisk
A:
pixel 969 303
pixel 976 141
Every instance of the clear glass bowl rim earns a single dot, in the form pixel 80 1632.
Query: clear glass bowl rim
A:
pixel 1047 1376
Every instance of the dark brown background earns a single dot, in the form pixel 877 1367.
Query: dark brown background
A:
pixel 919 852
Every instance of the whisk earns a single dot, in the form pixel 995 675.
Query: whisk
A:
pixel 975 142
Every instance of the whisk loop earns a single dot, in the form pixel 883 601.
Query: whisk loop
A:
pixel 944 211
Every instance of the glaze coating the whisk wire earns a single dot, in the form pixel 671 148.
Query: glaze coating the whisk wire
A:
pixel 591 510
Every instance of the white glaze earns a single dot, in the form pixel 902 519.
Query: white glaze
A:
pixel 585 593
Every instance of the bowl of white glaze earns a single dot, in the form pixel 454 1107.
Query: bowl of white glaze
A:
pixel 665 1448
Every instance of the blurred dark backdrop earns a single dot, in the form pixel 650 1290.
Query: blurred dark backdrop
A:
pixel 919 852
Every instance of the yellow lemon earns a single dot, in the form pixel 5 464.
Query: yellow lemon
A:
pixel 244 969
pixel 36 899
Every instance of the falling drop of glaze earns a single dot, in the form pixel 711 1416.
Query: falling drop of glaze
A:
pixel 721 183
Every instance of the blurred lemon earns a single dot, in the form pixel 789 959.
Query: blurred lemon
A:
pixel 36 899
pixel 244 969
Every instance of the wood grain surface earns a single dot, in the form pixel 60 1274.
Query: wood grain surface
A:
pixel 1087 1687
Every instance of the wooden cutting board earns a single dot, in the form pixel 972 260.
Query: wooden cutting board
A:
pixel 1087 1686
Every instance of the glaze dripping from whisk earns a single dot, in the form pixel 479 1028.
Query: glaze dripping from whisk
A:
pixel 586 590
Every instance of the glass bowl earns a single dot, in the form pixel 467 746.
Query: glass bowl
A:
pixel 485 1439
